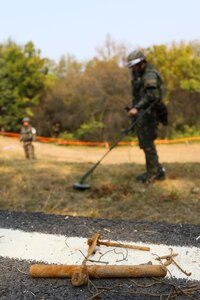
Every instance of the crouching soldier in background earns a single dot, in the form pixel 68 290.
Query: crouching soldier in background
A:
pixel 28 136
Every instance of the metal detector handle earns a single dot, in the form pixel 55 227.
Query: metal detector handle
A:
pixel 135 120
pixel 90 170
pixel 140 116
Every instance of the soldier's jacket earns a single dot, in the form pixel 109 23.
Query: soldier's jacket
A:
pixel 146 89
pixel 27 133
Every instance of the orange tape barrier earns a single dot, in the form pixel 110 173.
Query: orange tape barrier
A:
pixel 180 140
pixel 11 134
pixel 105 144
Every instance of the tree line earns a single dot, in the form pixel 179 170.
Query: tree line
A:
pixel 86 100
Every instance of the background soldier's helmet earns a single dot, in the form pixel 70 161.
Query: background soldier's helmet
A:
pixel 135 57
pixel 26 119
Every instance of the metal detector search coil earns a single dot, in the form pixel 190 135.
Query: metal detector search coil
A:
pixel 81 186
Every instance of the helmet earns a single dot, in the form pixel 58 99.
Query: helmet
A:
pixel 135 57
pixel 26 119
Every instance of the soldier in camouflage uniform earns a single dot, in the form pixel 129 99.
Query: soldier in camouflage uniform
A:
pixel 27 136
pixel 146 89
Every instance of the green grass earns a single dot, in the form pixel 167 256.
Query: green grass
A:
pixel 45 185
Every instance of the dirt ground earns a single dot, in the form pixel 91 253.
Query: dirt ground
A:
pixel 179 153
pixel 46 185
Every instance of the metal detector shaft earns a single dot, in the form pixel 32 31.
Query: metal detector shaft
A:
pixel 124 133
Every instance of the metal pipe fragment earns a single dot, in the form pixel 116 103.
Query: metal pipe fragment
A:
pixel 97 271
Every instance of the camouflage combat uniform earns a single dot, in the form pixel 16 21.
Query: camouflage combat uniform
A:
pixel 146 88
pixel 27 136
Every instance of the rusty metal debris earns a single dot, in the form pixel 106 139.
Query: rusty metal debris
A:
pixel 80 274
pixel 170 259
pixel 114 244
pixel 96 271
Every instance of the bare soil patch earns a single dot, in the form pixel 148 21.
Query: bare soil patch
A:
pixel 171 153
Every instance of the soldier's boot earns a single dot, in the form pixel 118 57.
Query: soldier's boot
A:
pixel 161 174
pixel 151 165
pixel 154 170
pixel 145 177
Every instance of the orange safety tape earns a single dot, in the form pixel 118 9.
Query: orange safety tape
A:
pixel 59 141
pixel 194 138
pixel 11 134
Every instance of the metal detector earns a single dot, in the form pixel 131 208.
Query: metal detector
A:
pixel 81 186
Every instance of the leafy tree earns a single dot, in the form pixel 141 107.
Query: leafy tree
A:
pixel 87 99
pixel 179 65
pixel 108 94
pixel 61 103
pixel 22 75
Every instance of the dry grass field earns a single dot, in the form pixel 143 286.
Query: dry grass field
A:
pixel 45 184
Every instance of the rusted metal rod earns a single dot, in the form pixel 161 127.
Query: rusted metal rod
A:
pixel 114 244
pixel 97 271
pixel 169 256
pixel 93 244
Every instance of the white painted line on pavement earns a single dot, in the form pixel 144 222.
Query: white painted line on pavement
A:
pixel 60 249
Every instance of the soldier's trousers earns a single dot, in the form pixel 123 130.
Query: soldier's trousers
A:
pixel 147 133
pixel 152 162
pixel 29 150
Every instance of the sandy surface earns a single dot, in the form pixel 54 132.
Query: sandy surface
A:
pixel 190 152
